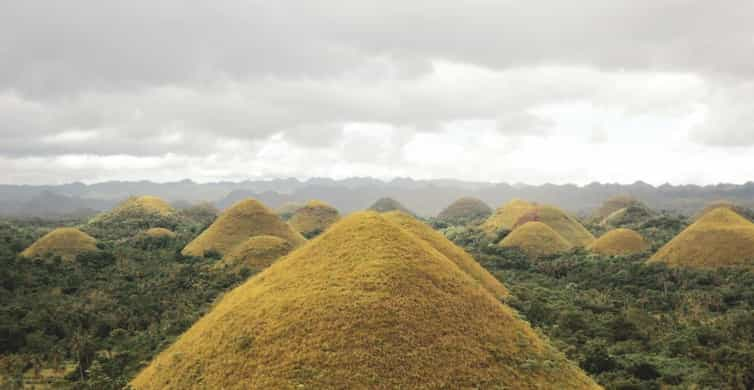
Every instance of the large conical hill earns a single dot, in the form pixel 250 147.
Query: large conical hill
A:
pixel 464 210
pixel 256 253
pixel 463 260
pixel 536 239
pixel 719 238
pixel 144 211
pixel 364 305
pixel 238 223
pixel 506 216
pixel 562 223
pixel 313 218
pixel 64 242
pixel 619 242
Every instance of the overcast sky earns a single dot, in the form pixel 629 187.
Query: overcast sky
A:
pixel 515 91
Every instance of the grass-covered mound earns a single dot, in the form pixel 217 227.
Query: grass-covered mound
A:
pixel 384 205
pixel 614 204
pixel 506 216
pixel 256 254
pixel 245 219
pixel 562 223
pixel 633 215
pixel 138 212
pixel 287 210
pixel 736 208
pixel 314 218
pixel 159 233
pixel 202 213
pixel 536 239
pixel 464 210
pixel 365 305
pixel 719 238
pixel 619 242
pixel 64 242
pixel 463 260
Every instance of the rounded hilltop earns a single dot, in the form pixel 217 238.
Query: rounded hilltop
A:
pixel 506 216
pixel 245 219
pixel 464 210
pixel 614 204
pixel 384 205
pixel 313 218
pixel 144 210
pixel 256 254
pixel 64 242
pixel 159 233
pixel 361 307
pixel 559 221
pixel 536 239
pixel 287 210
pixel 738 209
pixel 720 238
pixel 619 242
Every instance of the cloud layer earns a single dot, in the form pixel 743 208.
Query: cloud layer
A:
pixel 484 90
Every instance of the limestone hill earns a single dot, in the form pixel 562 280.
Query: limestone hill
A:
pixel 313 218
pixel 465 209
pixel 142 211
pixel 614 204
pixel 365 305
pixel 287 210
pixel 506 216
pixel 384 205
pixel 719 238
pixel 562 223
pixel 619 242
pixel 633 215
pixel 245 219
pixel 463 260
pixel 64 242
pixel 536 239
pixel 256 253
pixel 738 209
pixel 159 233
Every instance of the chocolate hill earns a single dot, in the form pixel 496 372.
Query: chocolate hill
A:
pixel 256 253
pixel 536 239
pixel 619 242
pixel 563 224
pixel 365 305
pixel 64 242
pixel 313 218
pixel 464 210
pixel 507 215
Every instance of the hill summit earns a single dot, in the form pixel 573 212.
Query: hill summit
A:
pixel 256 253
pixel 313 218
pixel 614 204
pixel 506 216
pixel 536 239
pixel 238 223
pixel 144 211
pixel 365 305
pixel 464 210
pixel 64 242
pixel 718 238
pixel 562 223
pixel 619 242
pixel 384 205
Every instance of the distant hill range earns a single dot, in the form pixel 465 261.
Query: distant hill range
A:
pixel 424 197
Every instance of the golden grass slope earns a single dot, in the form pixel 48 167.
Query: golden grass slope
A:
pixel 384 205
pixel 565 225
pixel 314 218
pixel 465 209
pixel 159 233
pixel 463 260
pixel 619 242
pixel 256 253
pixel 64 242
pixel 365 305
pixel 238 223
pixel 506 216
pixel 719 238
pixel 536 239
pixel 137 206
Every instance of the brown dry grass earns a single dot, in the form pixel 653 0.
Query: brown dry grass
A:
pixel 614 204
pixel 507 215
pixel 383 205
pixel 256 253
pixel 159 233
pixel 465 209
pixel 365 305
pixel 562 223
pixel 536 239
pixel 462 259
pixel 136 207
pixel 314 218
pixel 64 242
pixel 238 223
pixel 720 238
pixel 619 242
